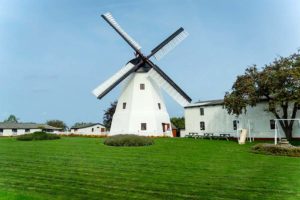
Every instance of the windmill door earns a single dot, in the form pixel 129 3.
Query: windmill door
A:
pixel 165 127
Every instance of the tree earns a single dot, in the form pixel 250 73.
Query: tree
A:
pixel 78 124
pixel 57 123
pixel 12 118
pixel 178 122
pixel 108 114
pixel 278 83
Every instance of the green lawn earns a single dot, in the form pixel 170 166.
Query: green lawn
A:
pixel 83 168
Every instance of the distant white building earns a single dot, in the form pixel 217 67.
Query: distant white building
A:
pixel 210 117
pixel 14 129
pixel 89 129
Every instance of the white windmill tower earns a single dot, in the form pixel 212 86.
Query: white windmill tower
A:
pixel 141 109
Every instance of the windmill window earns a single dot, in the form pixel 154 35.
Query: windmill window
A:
pixel 201 111
pixel 202 126
pixel 272 124
pixel 142 86
pixel 124 105
pixel 159 107
pixel 235 124
pixel 143 126
pixel 27 130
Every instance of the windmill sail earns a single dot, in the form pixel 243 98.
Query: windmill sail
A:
pixel 113 81
pixel 163 81
pixel 113 23
pixel 168 44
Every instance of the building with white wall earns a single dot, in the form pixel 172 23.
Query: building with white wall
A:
pixel 89 129
pixel 14 129
pixel 210 117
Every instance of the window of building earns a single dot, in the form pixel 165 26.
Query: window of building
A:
pixel 27 130
pixel 202 126
pixel 102 129
pixel 201 111
pixel 298 106
pixel 159 107
pixel 92 129
pixel 142 86
pixel 143 126
pixel 14 130
pixel 272 124
pixel 124 105
pixel 1 130
pixel 235 124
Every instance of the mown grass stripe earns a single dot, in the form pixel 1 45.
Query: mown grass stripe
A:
pixel 170 169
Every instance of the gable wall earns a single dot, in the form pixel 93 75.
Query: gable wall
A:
pixel 217 121
pixel 88 130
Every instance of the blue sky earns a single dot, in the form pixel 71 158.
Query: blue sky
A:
pixel 54 53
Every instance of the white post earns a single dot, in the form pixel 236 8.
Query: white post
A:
pixel 275 139
pixel 249 127
pixel 237 129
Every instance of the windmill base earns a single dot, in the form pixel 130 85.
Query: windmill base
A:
pixel 141 109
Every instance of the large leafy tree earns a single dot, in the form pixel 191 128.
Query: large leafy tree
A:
pixel 108 114
pixel 11 118
pixel 178 122
pixel 57 123
pixel 278 83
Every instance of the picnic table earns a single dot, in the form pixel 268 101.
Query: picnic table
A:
pixel 208 135
pixel 194 135
pixel 191 135
pixel 225 136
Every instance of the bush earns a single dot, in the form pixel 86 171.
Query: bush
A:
pixel 128 140
pixel 280 150
pixel 38 136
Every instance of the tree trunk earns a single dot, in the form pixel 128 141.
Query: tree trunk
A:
pixel 288 132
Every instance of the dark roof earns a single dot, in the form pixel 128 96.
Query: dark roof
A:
pixel 86 125
pixel 11 125
pixel 206 103
pixel 214 102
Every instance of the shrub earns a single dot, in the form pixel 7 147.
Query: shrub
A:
pixel 280 150
pixel 128 140
pixel 38 136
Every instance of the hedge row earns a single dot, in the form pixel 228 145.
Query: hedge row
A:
pixel 38 136
pixel 281 150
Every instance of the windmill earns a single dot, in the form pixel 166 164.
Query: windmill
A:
pixel 141 109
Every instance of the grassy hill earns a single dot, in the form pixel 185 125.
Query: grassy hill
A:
pixel 84 168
